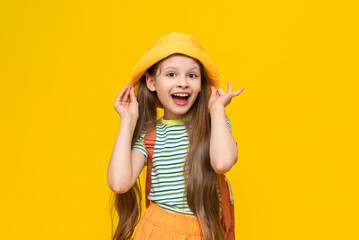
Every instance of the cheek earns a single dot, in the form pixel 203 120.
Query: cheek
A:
pixel 198 90
pixel 199 87
pixel 162 93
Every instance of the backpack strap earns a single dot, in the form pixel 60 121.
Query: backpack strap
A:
pixel 227 207
pixel 149 142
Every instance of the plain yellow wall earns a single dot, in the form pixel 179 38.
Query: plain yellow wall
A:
pixel 62 64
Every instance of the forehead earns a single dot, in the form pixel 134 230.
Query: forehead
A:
pixel 180 62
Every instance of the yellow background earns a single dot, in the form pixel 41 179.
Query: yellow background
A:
pixel 62 64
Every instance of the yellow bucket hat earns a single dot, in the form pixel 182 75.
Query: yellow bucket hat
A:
pixel 175 43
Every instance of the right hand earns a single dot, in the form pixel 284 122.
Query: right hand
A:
pixel 126 104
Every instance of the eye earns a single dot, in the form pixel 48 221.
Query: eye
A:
pixel 170 74
pixel 192 74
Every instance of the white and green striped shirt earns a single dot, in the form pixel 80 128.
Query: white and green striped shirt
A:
pixel 169 155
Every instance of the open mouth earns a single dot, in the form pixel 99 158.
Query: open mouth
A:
pixel 180 98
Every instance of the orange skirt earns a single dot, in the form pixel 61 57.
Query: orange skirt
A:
pixel 158 223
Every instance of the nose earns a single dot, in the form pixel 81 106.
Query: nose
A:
pixel 182 82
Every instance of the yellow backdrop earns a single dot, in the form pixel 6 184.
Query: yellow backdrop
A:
pixel 63 63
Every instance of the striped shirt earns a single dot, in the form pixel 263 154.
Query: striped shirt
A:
pixel 169 155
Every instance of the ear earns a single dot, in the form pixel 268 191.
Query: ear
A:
pixel 150 82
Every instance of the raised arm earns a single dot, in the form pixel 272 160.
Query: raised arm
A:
pixel 125 164
pixel 223 148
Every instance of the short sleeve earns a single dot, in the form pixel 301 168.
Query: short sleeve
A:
pixel 139 145
pixel 229 123
pixel 230 127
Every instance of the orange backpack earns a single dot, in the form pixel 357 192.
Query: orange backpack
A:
pixel 224 187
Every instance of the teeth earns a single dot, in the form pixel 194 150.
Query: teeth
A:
pixel 181 94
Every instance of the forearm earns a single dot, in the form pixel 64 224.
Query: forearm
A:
pixel 120 171
pixel 223 148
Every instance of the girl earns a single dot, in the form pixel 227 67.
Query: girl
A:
pixel 193 144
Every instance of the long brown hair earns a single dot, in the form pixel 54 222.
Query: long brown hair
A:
pixel 200 179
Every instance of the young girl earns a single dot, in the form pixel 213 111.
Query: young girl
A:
pixel 193 144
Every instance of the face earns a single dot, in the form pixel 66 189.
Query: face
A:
pixel 177 84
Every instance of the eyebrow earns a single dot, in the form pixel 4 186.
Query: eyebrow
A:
pixel 176 68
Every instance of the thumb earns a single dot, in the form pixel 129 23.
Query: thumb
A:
pixel 213 90
pixel 236 93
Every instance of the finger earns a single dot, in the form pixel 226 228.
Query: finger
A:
pixel 132 95
pixel 236 93
pixel 229 87
pixel 127 95
pixel 123 91
pixel 220 91
pixel 213 91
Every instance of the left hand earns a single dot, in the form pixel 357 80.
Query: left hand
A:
pixel 220 98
